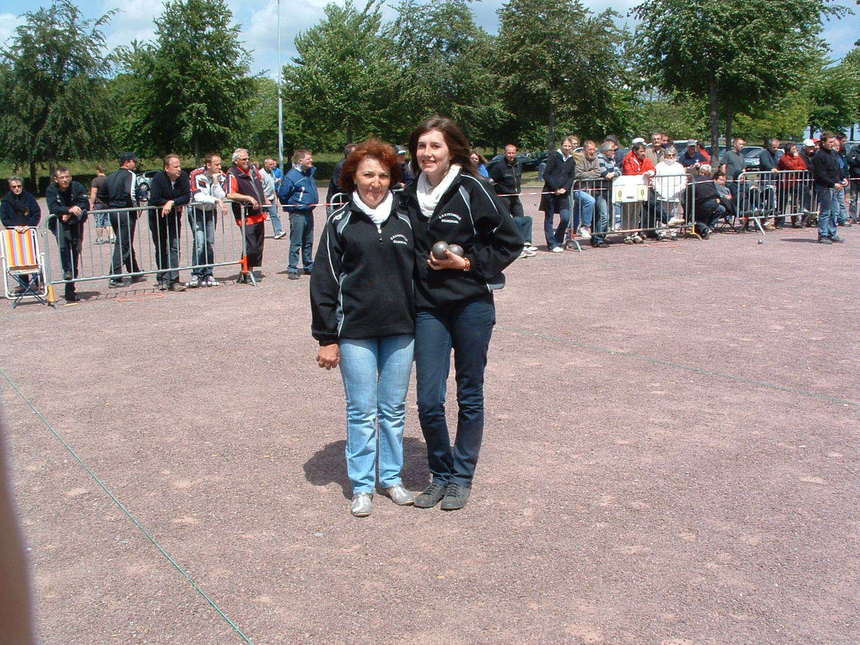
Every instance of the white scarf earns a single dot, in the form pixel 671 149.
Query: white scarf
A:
pixel 429 196
pixel 378 214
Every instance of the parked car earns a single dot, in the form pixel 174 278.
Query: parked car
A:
pixel 751 154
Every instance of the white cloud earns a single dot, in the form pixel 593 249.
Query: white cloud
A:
pixel 132 21
pixel 8 23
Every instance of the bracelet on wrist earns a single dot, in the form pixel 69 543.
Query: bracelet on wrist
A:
pixel 468 266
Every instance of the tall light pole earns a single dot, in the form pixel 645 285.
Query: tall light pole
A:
pixel 280 98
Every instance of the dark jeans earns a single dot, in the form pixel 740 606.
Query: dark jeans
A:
pixel 70 253
pixel 601 219
pixel 707 214
pixel 123 225
pixel 556 204
pixel 165 237
pixel 465 328
pixel 826 211
pixel 202 224
pixel 301 239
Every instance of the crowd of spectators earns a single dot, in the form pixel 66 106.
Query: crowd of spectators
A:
pixel 682 185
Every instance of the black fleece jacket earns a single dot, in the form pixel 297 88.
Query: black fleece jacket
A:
pixel 481 224
pixel 59 202
pixel 162 190
pixel 20 210
pixel 362 283
pixel 826 169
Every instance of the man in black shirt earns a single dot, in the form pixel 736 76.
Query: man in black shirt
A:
pixel 171 190
pixel 507 175
pixel 828 178
pixel 120 191
pixel 67 204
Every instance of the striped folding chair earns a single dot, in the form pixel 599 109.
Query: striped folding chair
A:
pixel 21 261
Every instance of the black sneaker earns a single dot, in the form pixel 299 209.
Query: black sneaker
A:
pixel 456 496
pixel 430 496
pixel 825 240
pixel 115 284
pixel 292 276
pixel 307 271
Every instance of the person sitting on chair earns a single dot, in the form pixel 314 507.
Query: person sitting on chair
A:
pixel 20 210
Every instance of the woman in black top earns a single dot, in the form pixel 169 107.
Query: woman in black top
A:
pixel 454 299
pixel 558 180
pixel 363 308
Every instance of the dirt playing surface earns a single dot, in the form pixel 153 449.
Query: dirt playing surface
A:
pixel 671 457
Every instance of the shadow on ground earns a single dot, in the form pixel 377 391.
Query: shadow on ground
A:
pixel 329 465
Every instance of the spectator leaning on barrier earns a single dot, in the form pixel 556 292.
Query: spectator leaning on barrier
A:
pixel 691 159
pixel 732 161
pixel 670 181
pixel 828 178
pixel 298 197
pixel 609 170
pixel 171 190
pixel 507 175
pixel 120 191
pixel 337 194
pixel 854 174
pixel 791 193
pixel 636 162
pixel 244 186
pixel 558 180
pixel 589 182
pixel 842 206
pixel 207 194
pixel 67 204
pixel 267 175
pixel 103 235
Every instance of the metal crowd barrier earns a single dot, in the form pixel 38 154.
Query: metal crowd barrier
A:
pixel 142 243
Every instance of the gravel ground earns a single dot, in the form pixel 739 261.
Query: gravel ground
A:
pixel 671 457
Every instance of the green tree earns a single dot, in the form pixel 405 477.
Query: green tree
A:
pixel 735 54
pixel 187 92
pixel 834 94
pixel 342 78
pixel 52 90
pixel 563 66
pixel 447 65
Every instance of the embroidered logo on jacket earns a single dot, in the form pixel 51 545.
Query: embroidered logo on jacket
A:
pixel 450 218
pixel 399 238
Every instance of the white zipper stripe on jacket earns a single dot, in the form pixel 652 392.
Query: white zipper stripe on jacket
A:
pixel 488 197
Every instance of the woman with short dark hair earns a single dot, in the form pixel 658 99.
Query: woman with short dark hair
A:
pixel 454 298
pixel 363 310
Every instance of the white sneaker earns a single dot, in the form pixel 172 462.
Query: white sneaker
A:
pixel 211 282
pixel 194 282
pixel 584 233
pixel 676 221
pixel 527 254
pixel 616 227
pixel 362 504
pixel 530 247
pixel 558 249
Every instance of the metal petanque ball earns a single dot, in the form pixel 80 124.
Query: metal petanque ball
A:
pixel 456 249
pixel 761 241
pixel 439 249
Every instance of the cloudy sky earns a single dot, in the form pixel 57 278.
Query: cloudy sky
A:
pixel 258 22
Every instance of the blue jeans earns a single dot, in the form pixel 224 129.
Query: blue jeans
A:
pixel 375 378
pixel 556 204
pixel 276 219
pixel 840 209
pixel 465 328
pixel 826 211
pixel 602 209
pixel 584 203
pixel 301 239
pixel 202 223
